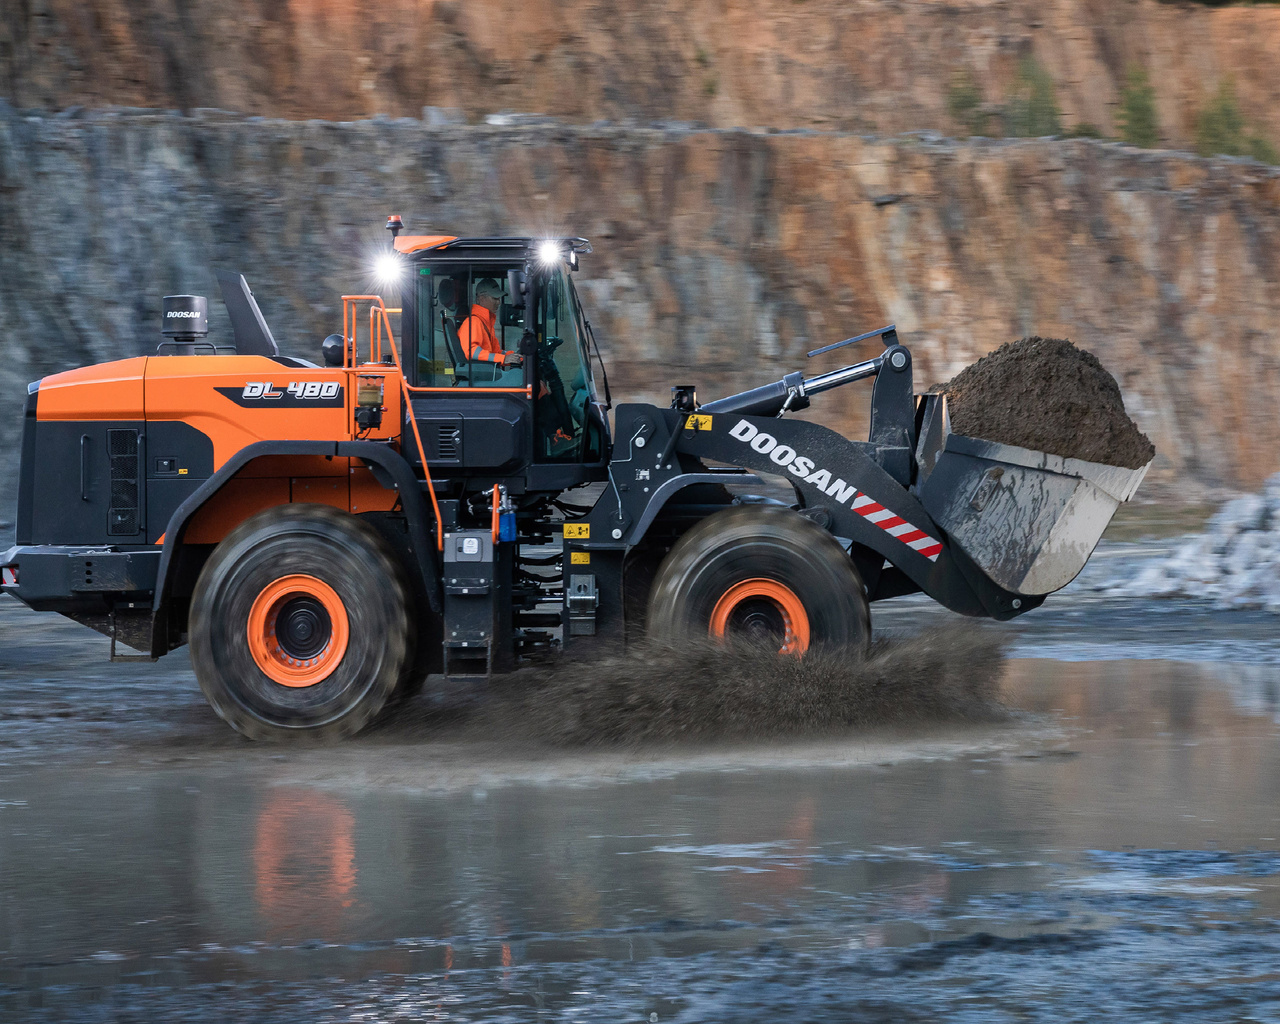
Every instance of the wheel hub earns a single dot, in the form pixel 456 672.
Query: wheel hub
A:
pixel 763 610
pixel 298 630
pixel 303 627
pixel 758 619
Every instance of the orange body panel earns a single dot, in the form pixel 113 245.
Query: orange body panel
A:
pixel 322 490
pixel 107 391
pixel 234 502
pixel 293 465
pixel 185 388
pixel 279 480
pixel 367 495
pixel 237 401
pixel 416 243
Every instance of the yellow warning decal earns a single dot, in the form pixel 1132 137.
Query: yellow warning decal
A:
pixel 577 531
pixel 698 423
pixel 579 557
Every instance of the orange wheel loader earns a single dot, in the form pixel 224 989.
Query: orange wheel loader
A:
pixel 451 499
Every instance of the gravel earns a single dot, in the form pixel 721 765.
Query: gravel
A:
pixel 1235 562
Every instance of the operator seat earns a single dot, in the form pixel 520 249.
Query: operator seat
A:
pixel 461 365
pixel 465 371
pixel 447 296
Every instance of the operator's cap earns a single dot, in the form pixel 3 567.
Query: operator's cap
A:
pixel 488 286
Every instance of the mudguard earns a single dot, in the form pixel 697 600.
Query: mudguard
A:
pixel 378 455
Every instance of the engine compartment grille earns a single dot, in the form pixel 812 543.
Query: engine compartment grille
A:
pixel 124 517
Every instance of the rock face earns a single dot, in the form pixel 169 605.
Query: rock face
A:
pixel 720 256
pixel 865 65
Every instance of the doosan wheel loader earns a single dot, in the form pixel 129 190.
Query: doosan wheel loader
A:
pixel 326 535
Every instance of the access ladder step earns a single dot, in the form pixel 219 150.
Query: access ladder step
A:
pixel 465 660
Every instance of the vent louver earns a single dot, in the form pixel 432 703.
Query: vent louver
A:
pixel 124 518
pixel 448 441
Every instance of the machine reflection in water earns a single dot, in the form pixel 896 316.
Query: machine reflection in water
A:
pixel 304 863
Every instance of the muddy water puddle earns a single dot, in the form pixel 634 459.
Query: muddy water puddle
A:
pixel 1115 851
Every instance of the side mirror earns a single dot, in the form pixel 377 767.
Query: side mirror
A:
pixel 334 350
pixel 515 285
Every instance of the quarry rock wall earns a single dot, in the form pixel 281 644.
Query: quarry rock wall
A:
pixel 873 66
pixel 720 256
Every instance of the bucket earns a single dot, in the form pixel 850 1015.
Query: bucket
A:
pixel 1029 520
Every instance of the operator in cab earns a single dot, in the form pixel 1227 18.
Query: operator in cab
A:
pixel 477 335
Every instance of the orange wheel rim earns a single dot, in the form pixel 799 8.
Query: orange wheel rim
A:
pixel 298 630
pixel 771 595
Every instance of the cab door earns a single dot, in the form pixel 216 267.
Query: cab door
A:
pixel 475 417
pixel 569 427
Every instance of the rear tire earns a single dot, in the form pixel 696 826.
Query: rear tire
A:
pixel 760 572
pixel 299 624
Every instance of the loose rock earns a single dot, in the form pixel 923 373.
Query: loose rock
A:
pixel 1047 395
pixel 1235 562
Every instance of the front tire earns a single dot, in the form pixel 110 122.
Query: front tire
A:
pixel 764 574
pixel 299 624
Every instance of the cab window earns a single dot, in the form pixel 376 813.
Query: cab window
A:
pixel 454 329
pixel 564 389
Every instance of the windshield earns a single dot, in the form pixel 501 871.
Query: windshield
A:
pixel 565 387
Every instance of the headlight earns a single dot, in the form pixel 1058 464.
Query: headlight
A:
pixel 388 269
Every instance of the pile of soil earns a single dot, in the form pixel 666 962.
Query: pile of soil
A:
pixel 705 690
pixel 1048 395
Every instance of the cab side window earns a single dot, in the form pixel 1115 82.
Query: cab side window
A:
pixel 445 300
pixel 564 386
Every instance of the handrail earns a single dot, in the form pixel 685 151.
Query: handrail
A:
pixel 378 316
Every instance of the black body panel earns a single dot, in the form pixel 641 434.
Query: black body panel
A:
pixel 106 482
pixel 60 577
pixel 473 433
pixel 179 460
pixel 86 484
pixel 27 467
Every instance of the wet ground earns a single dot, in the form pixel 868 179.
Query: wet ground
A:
pixel 1112 851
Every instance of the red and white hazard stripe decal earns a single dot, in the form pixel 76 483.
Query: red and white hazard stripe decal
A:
pixel 895 526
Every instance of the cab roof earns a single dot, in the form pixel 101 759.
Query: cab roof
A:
pixel 514 246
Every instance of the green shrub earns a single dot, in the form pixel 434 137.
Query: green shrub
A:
pixel 1262 149
pixel 1137 120
pixel 1220 125
pixel 1032 110
pixel 964 103
pixel 1221 129
pixel 1085 130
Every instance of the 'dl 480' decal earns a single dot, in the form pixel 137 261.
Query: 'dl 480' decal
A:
pixel 310 394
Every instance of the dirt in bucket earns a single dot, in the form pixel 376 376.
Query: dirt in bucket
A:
pixel 1047 395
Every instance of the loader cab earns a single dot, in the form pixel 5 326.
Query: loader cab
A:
pixel 544 416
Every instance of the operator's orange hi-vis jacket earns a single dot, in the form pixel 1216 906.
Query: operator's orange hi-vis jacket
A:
pixel 477 337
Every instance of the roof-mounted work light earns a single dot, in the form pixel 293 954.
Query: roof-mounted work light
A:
pixel 549 252
pixel 388 269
